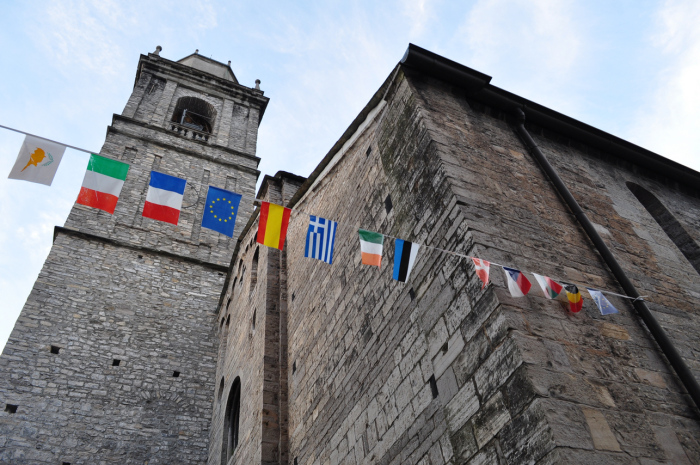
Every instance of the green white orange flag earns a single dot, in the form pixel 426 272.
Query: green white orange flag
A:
pixel 37 161
pixel 371 245
pixel 102 183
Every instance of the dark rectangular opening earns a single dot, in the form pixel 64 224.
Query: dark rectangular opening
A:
pixel 9 408
pixel 369 150
pixel 176 374
pixel 116 362
pixel 412 293
pixel 387 203
pixel 55 349
pixel 433 386
pixel 66 463
pixel 294 367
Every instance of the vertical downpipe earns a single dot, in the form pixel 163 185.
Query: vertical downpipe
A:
pixel 657 332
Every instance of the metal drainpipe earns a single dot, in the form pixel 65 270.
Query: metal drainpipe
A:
pixel 667 347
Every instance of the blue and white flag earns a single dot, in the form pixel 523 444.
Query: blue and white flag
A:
pixel 320 239
pixel 604 305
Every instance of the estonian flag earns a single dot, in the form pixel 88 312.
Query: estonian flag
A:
pixel 404 257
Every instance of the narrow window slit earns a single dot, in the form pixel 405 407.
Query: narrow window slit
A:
pixel 176 374
pixel 10 408
pixel 433 386
pixel 116 362
pixel 55 349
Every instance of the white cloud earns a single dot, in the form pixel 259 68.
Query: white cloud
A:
pixel 418 13
pixel 669 122
pixel 531 47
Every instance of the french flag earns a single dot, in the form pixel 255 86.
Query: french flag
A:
pixel 164 197
pixel 518 285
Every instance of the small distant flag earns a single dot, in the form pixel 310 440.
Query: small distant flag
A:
pixel 518 285
pixel 604 305
pixel 371 245
pixel 320 239
pixel 164 197
pixel 574 296
pixel 550 288
pixel 220 210
pixel 482 270
pixel 102 183
pixel 404 257
pixel 37 161
pixel 272 229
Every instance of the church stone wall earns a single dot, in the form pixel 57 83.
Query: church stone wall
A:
pixel 517 380
pixel 253 344
pixel 96 303
pixel 599 381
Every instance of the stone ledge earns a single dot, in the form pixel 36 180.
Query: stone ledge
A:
pixel 94 237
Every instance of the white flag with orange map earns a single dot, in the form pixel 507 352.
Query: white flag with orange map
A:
pixel 37 161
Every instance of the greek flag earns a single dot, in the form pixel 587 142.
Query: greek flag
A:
pixel 320 239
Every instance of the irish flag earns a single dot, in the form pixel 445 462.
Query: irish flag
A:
pixel 102 183
pixel 272 229
pixel 371 245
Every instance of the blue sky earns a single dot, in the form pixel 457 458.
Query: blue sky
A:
pixel 631 68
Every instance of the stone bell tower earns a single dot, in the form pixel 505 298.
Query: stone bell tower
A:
pixel 112 359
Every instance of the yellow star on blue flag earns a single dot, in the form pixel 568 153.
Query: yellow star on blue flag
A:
pixel 220 210
pixel 604 305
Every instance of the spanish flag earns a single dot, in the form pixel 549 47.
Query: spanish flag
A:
pixel 574 296
pixel 274 220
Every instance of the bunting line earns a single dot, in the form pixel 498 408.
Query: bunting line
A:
pixel 255 201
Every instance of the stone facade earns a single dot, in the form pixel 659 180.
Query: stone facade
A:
pixel 341 364
pixel 439 370
pixel 113 357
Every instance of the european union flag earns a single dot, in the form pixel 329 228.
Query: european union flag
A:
pixel 220 210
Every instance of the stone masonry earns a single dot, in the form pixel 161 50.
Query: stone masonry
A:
pixel 341 364
pixel 113 357
pixel 439 370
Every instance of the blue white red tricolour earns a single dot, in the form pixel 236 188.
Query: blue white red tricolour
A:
pixel 164 198
pixel 518 285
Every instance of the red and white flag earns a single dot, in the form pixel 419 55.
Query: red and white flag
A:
pixel 482 270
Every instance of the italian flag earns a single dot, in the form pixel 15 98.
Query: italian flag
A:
pixel 103 183
pixel 371 245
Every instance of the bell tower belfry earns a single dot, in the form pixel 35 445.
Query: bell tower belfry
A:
pixel 112 359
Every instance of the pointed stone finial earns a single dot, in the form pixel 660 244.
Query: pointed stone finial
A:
pixel 196 51
pixel 158 49
pixel 229 63
pixel 257 84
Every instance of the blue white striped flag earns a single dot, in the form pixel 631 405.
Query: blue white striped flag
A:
pixel 320 239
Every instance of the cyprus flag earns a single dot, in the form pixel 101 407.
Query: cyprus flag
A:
pixel 37 161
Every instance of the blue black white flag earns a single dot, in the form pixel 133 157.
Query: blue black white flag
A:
pixel 220 210
pixel 604 305
pixel 320 239
pixel 404 257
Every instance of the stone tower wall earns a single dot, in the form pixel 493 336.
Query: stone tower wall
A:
pixel 253 344
pixel 123 287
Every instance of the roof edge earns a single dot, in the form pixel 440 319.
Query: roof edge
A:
pixel 479 88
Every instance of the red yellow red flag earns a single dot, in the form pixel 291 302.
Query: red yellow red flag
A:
pixel 272 229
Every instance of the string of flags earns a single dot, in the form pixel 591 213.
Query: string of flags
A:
pixel 38 161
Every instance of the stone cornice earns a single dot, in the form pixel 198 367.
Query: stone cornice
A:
pixel 116 117
pixel 94 237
